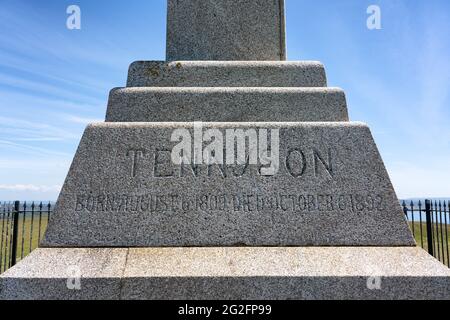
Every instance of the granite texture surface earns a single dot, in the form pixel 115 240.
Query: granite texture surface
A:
pixel 230 273
pixel 227 74
pixel 285 273
pixel 226 30
pixel 48 274
pixel 331 189
pixel 226 105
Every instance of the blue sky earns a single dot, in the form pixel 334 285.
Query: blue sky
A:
pixel 53 81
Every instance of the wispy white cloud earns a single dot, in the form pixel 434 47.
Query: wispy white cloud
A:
pixel 44 89
pixel 32 34
pixel 29 187
pixel 28 149
pixel 36 177
pixel 82 120
pixel 10 100
pixel 48 72
pixel 53 164
pixel 13 129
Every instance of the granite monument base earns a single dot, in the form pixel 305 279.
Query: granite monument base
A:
pixel 325 185
pixel 297 273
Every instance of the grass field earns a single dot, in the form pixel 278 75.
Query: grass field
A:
pixel 439 239
pixel 28 237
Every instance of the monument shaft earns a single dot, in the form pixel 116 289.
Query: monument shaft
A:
pixel 226 30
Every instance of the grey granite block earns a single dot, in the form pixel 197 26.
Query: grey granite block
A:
pixel 331 189
pixel 226 104
pixel 285 274
pixel 226 30
pixel 229 273
pixel 50 274
pixel 226 74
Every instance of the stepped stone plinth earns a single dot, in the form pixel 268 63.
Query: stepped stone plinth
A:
pixel 218 74
pixel 331 189
pixel 310 213
pixel 226 105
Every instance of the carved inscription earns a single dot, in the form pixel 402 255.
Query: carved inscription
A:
pixel 149 203
pixel 135 155
pixel 298 163
pixel 147 166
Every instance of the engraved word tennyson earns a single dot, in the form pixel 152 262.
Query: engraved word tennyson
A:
pixel 298 162
pixel 240 146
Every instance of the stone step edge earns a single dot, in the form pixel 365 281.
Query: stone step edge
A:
pixel 127 273
pixel 209 90
pixel 426 265
pixel 227 73
pixel 161 104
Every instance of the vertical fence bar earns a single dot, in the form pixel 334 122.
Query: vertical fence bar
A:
pixel 11 236
pixel 40 221
pixel 421 223
pixel 405 210
pixel 15 233
pixel 3 215
pixel 7 257
pixel 49 211
pixel 428 216
pixel 31 228
pixel 437 231
pixel 412 219
pixel 4 240
pixel 446 231
pixel 433 230
pixel 4 262
pixel 23 229
pixel 442 232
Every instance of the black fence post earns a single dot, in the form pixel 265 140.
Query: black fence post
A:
pixel 429 227
pixel 15 235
